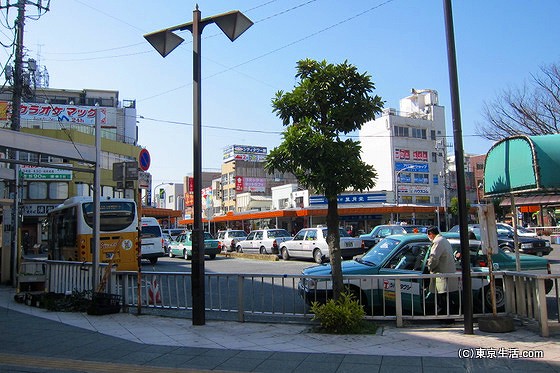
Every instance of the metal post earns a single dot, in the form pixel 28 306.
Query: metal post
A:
pixel 96 202
pixel 197 263
pixel 460 171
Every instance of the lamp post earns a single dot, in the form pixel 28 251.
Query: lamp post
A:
pixel 397 186
pixel 233 24
pixel 155 188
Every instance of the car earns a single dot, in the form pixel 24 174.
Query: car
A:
pixel 182 246
pixel 312 243
pixel 381 231
pixel 151 239
pixel 408 254
pixel 263 241
pixel 167 239
pixel 522 232
pixel 230 238
pixel 527 245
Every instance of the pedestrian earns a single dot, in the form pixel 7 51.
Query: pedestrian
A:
pixel 441 260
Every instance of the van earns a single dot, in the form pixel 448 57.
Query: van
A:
pixel 152 240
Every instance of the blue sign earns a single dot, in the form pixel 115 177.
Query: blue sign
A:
pixel 412 167
pixel 351 198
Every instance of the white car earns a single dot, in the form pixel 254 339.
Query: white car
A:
pixel 508 229
pixel 312 243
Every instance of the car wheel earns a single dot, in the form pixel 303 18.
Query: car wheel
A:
pixel 170 253
pixel 262 251
pixel 212 256
pixel 318 256
pixel 185 255
pixel 153 260
pixel 285 254
pixel 507 249
pixel 239 249
pixel 500 298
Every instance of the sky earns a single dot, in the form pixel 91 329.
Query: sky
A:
pixel 401 44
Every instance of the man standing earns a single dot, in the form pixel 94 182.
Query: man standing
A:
pixel 441 260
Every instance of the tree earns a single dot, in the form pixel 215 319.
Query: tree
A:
pixel 531 110
pixel 329 101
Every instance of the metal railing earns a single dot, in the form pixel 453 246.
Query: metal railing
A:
pixel 281 298
pixel 526 297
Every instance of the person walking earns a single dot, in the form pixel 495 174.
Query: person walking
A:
pixel 441 260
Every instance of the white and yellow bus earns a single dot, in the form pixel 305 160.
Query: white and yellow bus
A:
pixel 70 231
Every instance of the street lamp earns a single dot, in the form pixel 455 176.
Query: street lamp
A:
pixel 157 186
pixel 397 185
pixel 233 24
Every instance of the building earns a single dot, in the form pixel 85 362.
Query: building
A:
pixel 243 172
pixel 407 148
pixel 67 115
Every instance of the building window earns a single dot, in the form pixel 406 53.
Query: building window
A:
pixel 433 135
pixel 37 190
pixel 107 191
pixel 436 200
pixel 58 190
pixel 419 133
pixel 434 157
pixel 423 199
pixel 404 178
pixel 480 166
pixel 400 131
pixel 421 179
pixel 83 190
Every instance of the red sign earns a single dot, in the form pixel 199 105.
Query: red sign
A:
pixel 239 184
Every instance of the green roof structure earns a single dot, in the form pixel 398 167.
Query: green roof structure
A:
pixel 523 165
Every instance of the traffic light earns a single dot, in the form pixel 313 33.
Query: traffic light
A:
pixel 161 193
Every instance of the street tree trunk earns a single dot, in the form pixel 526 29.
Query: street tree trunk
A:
pixel 333 240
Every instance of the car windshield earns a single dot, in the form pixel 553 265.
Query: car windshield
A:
pixel 208 236
pixel 237 234
pixel 377 254
pixel 278 233
pixel 415 229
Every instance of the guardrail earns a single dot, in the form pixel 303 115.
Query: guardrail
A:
pixel 262 297
pixel 271 297
pixel 526 297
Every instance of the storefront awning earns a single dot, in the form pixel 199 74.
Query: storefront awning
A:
pixel 533 201
pixel 522 166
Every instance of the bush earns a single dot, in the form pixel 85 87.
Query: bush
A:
pixel 343 316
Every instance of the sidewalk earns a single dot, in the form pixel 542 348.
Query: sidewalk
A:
pixel 36 340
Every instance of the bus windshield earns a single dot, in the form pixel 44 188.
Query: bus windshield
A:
pixel 114 215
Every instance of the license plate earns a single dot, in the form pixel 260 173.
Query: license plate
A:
pixel 349 244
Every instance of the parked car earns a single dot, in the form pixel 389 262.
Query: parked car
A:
pixel 312 243
pixel 151 240
pixel 263 241
pixel 408 254
pixel 381 231
pixel 167 239
pixel 508 229
pixel 182 246
pixel 230 238
pixel 527 245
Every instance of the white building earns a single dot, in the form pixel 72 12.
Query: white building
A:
pixel 407 149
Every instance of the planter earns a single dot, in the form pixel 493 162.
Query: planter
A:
pixel 496 324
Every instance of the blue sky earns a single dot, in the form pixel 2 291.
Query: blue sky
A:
pixel 401 44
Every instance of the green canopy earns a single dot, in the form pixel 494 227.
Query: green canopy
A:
pixel 523 165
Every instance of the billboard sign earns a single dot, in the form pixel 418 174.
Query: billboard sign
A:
pixel 244 153
pixel 58 113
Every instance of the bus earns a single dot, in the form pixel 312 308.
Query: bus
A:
pixel 70 231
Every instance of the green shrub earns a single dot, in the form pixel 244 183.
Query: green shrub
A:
pixel 343 316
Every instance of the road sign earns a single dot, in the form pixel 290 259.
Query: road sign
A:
pixel 144 159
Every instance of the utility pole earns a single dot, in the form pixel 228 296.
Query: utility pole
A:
pixel 17 93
